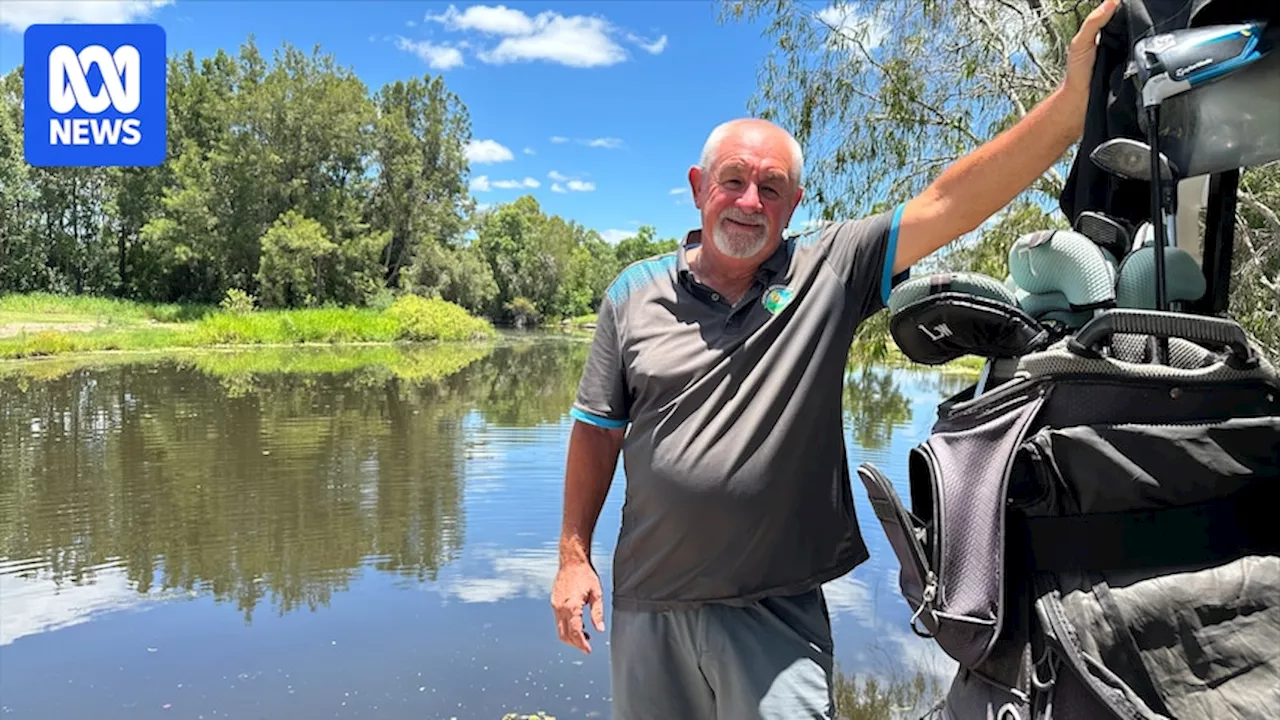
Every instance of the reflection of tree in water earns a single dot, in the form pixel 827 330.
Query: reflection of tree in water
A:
pixel 237 476
pixel 530 383
pixel 875 405
pixel 876 699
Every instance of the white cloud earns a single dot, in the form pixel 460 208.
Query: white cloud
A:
pixel 848 25
pixel 512 184
pixel 653 48
pixel 530 151
pixel 18 15
pixel 614 236
pixel 411 23
pixel 499 20
pixel 604 142
pixel 482 183
pixel 677 191
pixel 437 57
pixel 563 183
pixel 579 41
pixel 487 152
pixel 557 139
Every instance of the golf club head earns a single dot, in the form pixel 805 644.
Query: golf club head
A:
pixel 1172 63
pixel 1131 160
pixel 1106 232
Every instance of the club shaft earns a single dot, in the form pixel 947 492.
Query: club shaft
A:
pixel 1158 220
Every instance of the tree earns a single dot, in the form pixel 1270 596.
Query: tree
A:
pixel 421 192
pixel 643 244
pixel 884 95
pixel 1255 278
pixel 896 90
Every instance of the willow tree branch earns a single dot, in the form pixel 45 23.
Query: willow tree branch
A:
pixel 1268 215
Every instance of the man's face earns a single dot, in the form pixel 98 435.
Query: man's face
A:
pixel 747 195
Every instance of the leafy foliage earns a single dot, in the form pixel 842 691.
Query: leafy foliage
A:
pixel 885 94
pixel 287 180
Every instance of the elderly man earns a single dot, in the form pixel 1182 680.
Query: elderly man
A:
pixel 718 370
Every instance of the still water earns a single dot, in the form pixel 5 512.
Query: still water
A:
pixel 365 533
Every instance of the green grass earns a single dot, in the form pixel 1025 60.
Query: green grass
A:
pixel 582 320
pixel 51 308
pixel 123 325
pixel 965 364
pixel 243 364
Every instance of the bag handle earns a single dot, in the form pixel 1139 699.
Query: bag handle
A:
pixel 1196 328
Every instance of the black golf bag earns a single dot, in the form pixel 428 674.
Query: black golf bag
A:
pixel 1096 536
pixel 1093 528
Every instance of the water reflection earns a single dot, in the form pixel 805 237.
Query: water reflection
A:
pixel 382 521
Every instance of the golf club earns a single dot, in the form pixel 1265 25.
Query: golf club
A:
pixel 1106 232
pixel 1130 160
pixel 1135 160
pixel 1170 64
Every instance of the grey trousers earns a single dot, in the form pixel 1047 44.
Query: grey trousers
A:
pixel 769 660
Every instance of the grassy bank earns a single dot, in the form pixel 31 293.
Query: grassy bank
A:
pixel 41 325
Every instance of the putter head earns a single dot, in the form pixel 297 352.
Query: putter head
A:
pixel 1172 63
pixel 1131 160
pixel 1110 234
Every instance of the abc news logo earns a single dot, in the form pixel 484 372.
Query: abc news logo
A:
pixel 95 95
pixel 69 89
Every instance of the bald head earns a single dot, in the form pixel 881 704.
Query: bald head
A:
pixel 752 129
pixel 746 185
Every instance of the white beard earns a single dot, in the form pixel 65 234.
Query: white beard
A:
pixel 740 242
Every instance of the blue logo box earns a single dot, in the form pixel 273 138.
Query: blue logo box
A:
pixel 94 95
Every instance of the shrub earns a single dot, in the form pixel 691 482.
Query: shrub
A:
pixel 238 302
pixel 422 318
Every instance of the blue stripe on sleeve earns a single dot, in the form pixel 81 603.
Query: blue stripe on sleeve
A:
pixel 887 277
pixel 597 420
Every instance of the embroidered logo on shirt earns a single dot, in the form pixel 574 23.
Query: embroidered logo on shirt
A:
pixel 776 298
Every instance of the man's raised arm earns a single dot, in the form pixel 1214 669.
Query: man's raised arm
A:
pixel 979 184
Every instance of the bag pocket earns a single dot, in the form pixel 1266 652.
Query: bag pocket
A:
pixel 965 638
pixel 906 534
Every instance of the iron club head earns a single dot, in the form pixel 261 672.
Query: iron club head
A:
pixel 1106 232
pixel 1130 159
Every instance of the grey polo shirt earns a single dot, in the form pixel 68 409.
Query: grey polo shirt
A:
pixel 737 484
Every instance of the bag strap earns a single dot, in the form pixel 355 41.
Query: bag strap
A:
pixel 1067 652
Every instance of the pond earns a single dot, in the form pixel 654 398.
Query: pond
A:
pixel 364 533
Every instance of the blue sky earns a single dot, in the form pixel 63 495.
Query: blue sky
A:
pixel 596 108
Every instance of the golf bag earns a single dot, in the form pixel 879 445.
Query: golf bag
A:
pixel 1094 536
pixel 1091 530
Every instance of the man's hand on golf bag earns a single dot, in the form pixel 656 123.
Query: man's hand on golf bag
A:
pixel 1083 50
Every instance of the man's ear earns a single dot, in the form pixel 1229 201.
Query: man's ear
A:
pixel 695 185
pixel 794 207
